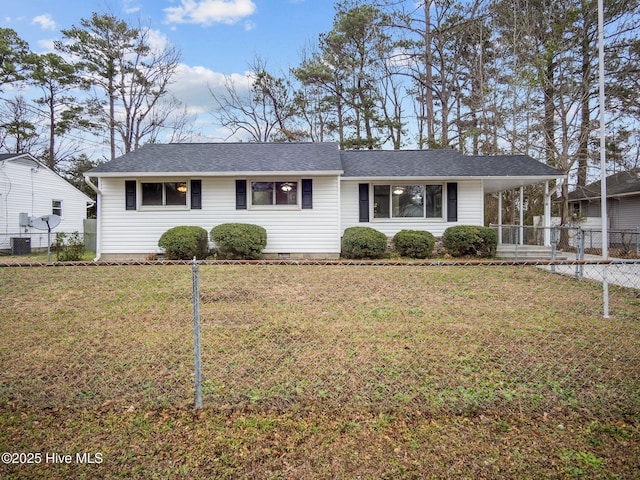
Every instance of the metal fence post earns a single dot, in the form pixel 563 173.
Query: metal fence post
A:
pixel 580 236
pixel 554 246
pixel 605 292
pixel 196 335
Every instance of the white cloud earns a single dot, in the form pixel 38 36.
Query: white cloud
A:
pixel 131 6
pixel 47 45
pixel 157 40
pixel 191 86
pixel 45 21
pixel 207 12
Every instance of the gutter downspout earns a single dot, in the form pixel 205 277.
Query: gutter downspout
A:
pixel 93 187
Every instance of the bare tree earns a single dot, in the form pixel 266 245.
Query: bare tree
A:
pixel 144 77
pixel 169 121
pixel 262 108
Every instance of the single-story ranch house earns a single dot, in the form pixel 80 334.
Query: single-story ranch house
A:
pixel 304 194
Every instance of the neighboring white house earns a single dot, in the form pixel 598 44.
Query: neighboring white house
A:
pixel 29 189
pixel 303 194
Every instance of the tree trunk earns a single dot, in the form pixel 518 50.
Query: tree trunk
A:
pixel 585 120
pixel 428 75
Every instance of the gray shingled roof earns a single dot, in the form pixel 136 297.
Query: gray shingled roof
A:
pixel 9 156
pixel 622 183
pixel 230 158
pixel 439 163
pixel 226 158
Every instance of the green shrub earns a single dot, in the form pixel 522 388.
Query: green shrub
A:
pixel 363 242
pixel 476 241
pixel 69 248
pixel 184 243
pixel 239 240
pixel 414 243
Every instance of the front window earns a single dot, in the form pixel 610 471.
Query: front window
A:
pixel 407 201
pixel 164 193
pixel 274 193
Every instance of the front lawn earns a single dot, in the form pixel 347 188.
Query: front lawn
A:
pixel 310 371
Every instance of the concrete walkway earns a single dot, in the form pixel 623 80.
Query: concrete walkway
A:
pixel 625 273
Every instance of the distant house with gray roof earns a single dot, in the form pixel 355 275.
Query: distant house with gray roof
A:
pixel 623 201
pixel 304 194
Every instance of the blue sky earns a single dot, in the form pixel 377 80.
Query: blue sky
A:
pixel 217 38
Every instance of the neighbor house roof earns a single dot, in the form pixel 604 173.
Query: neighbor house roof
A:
pixel 26 159
pixel 226 158
pixel 499 172
pixel 618 185
pixel 19 156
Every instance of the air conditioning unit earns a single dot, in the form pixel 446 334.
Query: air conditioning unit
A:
pixel 20 245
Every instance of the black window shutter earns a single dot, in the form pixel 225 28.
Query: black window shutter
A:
pixel 196 194
pixel 241 194
pixel 364 202
pixel 452 202
pixel 307 193
pixel 130 194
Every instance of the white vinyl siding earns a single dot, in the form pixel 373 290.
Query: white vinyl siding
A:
pixel 623 212
pixel 136 232
pixel 28 188
pixel 626 213
pixel 470 210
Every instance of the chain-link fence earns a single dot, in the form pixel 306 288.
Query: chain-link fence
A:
pixel 622 243
pixel 21 243
pixel 433 337
pixel 570 241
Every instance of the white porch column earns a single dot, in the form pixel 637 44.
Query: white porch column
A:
pixel 521 216
pixel 500 217
pixel 547 215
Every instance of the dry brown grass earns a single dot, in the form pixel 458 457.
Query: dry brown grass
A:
pixel 320 372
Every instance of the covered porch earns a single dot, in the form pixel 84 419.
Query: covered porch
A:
pixel 517 240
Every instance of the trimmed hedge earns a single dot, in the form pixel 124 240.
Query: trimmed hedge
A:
pixel 470 240
pixel 239 241
pixel 363 242
pixel 184 243
pixel 414 243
